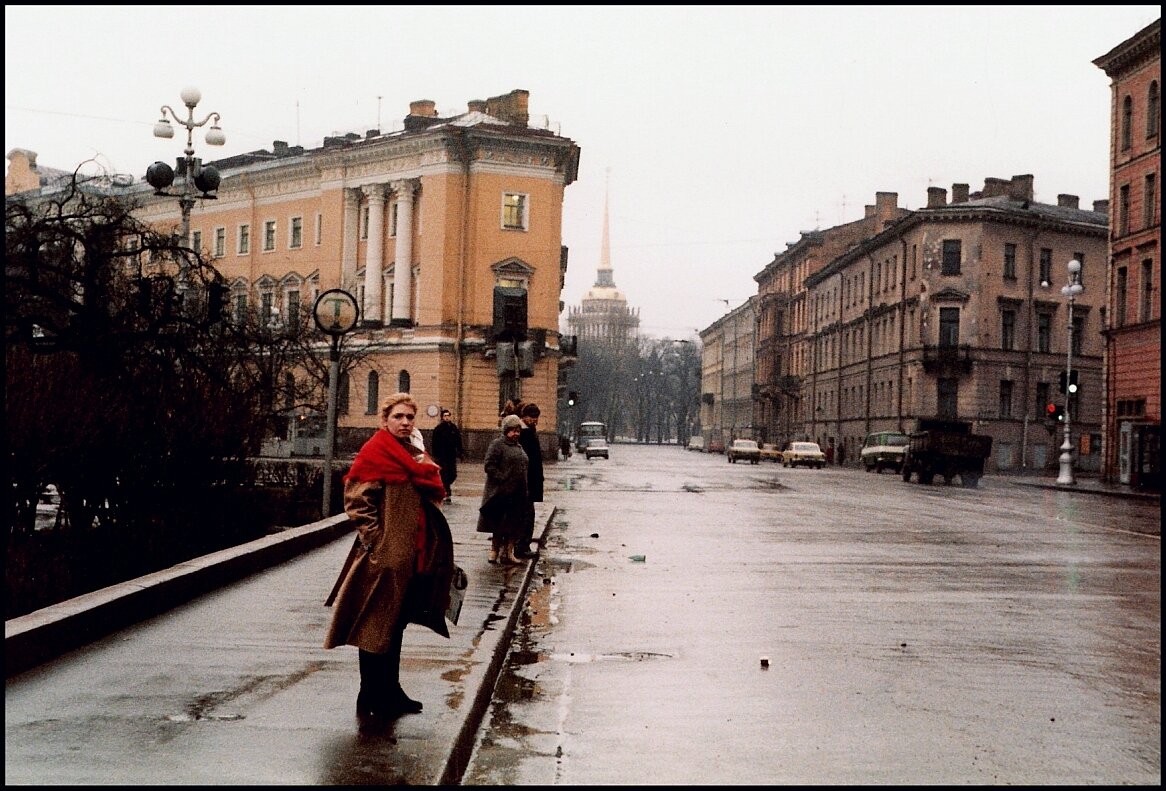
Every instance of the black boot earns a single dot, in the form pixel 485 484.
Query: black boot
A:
pixel 373 699
pixel 396 699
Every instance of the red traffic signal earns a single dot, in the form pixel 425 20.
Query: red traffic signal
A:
pixel 1054 413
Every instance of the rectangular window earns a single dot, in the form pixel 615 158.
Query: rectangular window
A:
pixel 1077 333
pixel 1008 330
pixel 269 235
pixel 393 218
pixel 319 229
pixel 293 310
pixel 220 242
pixel 1042 397
pixel 949 326
pixel 266 307
pixel 1150 201
pixel 1080 258
pixel 1147 309
pixel 1044 332
pixel 514 211
pixel 952 251
pixel 948 396
pixel 240 307
pixel 296 233
pixel 914 258
pixel 1046 266
pixel 364 222
pixel 1009 261
pixel 1123 210
pixel 1121 286
pixel 244 239
pixel 1005 398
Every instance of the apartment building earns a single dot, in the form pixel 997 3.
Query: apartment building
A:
pixel 728 365
pixel 1133 333
pixel 440 231
pixel 955 311
pixel 784 360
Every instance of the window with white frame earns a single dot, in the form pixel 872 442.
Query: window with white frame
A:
pixel 296 233
pixel 244 239
pixel 294 309
pixel 269 235
pixel 220 242
pixel 514 211
pixel 319 229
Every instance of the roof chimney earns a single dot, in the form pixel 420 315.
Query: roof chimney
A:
pixel 1101 206
pixel 476 106
pixel 423 107
pixel 510 107
pixel 1067 201
pixel 959 193
pixel 1020 187
pixel 994 187
pixel 936 197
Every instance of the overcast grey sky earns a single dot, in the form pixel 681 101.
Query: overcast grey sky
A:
pixel 725 131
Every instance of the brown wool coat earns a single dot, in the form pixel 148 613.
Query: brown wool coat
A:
pixel 369 595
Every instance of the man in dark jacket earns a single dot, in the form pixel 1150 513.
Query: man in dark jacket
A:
pixel 447 449
pixel 528 439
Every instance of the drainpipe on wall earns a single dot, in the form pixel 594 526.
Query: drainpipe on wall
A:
pixel 464 152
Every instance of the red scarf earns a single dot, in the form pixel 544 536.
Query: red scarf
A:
pixel 383 458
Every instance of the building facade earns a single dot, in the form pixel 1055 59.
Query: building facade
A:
pixel 426 227
pixel 1133 333
pixel 728 363
pixel 603 315
pixel 784 352
pixel 954 311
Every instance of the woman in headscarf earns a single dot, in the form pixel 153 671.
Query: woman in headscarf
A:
pixel 504 499
pixel 399 570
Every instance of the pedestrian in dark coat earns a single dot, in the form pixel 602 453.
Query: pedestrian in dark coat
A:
pixel 399 569
pixel 528 439
pixel 447 449
pixel 504 498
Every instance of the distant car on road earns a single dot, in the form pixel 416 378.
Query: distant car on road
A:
pixel 716 446
pixel 596 449
pixel 696 443
pixel 770 452
pixel 807 454
pixel 745 450
pixel 884 450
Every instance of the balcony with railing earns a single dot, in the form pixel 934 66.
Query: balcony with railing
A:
pixel 947 361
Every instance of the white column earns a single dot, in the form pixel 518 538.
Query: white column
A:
pixel 374 254
pixel 351 235
pixel 403 269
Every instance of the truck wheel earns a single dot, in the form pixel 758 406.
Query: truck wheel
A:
pixel 948 478
pixel 906 474
pixel 970 480
pixel 926 476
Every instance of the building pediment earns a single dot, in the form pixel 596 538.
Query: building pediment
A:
pixel 512 267
pixel 950 294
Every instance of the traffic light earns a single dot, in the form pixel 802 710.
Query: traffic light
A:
pixel 1054 413
pixel 572 397
pixel 1072 382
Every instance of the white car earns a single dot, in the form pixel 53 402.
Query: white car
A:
pixel 596 449
pixel 745 450
pixel 808 454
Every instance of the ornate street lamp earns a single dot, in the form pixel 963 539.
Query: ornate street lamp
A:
pixel 336 313
pixel 194 175
pixel 1070 290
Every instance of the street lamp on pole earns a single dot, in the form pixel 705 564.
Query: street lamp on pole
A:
pixel 195 177
pixel 1070 290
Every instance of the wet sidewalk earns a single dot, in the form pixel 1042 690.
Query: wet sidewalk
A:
pixel 215 674
pixel 1085 484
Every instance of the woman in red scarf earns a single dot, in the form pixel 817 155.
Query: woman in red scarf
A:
pixel 398 571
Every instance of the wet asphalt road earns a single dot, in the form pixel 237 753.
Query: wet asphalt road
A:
pixel 914 634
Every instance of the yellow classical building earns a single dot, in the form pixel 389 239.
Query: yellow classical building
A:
pixel 448 235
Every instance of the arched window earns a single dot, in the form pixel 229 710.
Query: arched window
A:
pixel 403 381
pixel 1127 122
pixel 1152 109
pixel 342 395
pixel 374 392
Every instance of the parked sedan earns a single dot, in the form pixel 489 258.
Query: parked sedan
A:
pixel 596 449
pixel 770 452
pixel 744 449
pixel 807 454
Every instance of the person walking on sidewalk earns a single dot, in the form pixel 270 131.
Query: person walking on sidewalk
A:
pixel 528 439
pixel 447 449
pixel 399 569
pixel 504 498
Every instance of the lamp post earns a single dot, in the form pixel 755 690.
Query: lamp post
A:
pixel 1070 290
pixel 336 313
pixel 195 177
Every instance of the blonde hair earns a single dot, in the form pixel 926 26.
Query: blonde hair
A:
pixel 397 398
